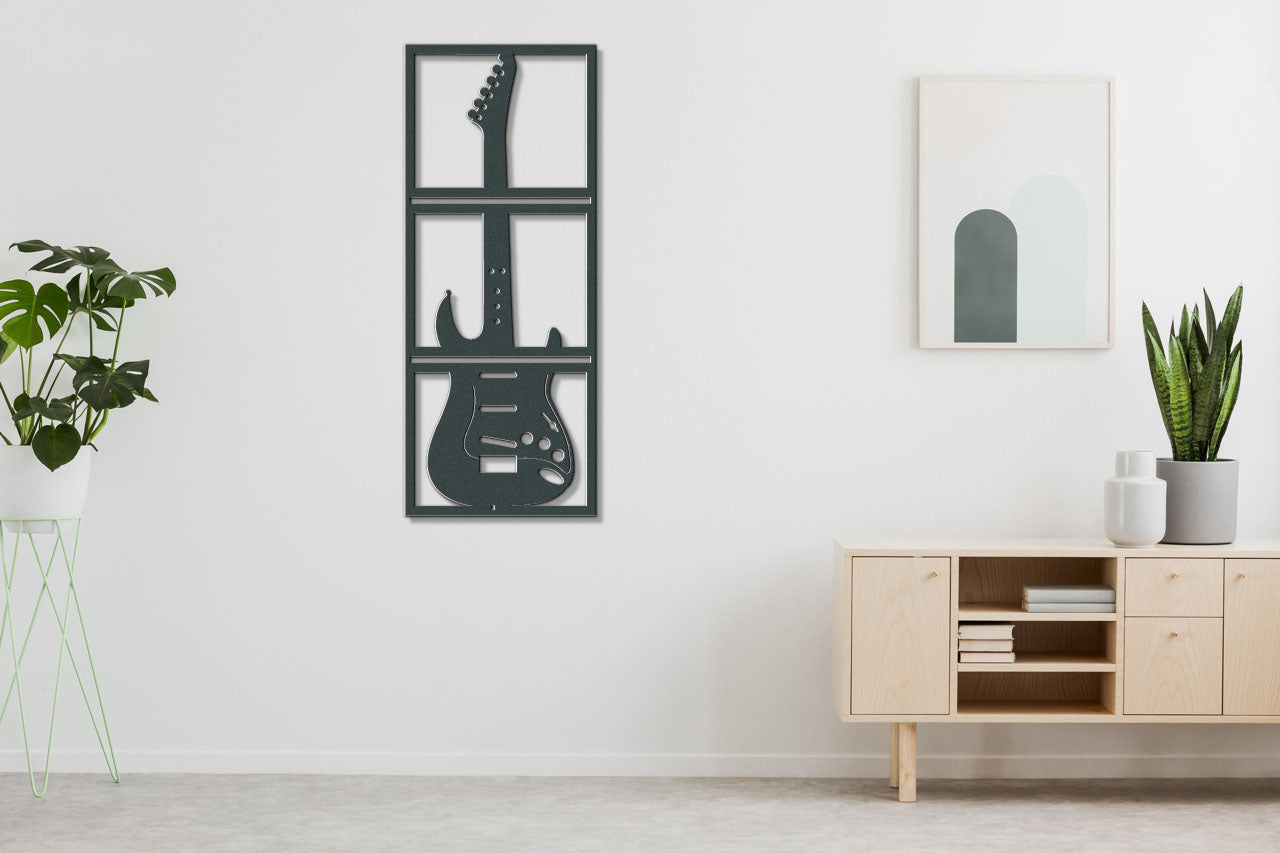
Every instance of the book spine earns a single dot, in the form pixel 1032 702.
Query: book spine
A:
pixel 1062 607
pixel 1050 596
pixel 986 645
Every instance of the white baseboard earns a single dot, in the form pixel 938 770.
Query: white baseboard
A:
pixel 614 764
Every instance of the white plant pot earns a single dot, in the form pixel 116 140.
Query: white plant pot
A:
pixel 1202 501
pixel 30 490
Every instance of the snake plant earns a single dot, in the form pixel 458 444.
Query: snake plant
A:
pixel 1198 380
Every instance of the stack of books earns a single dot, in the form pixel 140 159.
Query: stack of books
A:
pixel 1068 598
pixel 986 642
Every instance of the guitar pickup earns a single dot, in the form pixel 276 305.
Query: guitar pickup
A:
pixel 498 465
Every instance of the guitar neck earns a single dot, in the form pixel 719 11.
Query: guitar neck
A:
pixel 495 156
pixel 499 282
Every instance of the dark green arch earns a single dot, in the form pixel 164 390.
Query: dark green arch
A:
pixel 986 279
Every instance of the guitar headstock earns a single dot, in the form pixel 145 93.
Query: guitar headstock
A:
pixel 495 96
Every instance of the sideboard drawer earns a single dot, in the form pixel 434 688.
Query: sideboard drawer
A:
pixel 1172 666
pixel 1163 587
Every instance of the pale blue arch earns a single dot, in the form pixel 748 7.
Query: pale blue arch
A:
pixel 1051 216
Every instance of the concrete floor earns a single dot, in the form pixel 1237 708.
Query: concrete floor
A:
pixel 480 814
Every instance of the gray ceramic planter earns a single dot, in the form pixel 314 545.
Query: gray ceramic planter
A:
pixel 1200 501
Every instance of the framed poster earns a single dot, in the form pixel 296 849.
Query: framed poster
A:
pixel 1017 189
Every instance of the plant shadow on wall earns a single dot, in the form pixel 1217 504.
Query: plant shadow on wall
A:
pixel 66 405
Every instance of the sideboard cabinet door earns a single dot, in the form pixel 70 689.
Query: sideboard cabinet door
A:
pixel 901 622
pixel 1251 649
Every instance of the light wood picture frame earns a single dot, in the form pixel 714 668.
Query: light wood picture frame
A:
pixel 1016 239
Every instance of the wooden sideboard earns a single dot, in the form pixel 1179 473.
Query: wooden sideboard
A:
pixel 1195 637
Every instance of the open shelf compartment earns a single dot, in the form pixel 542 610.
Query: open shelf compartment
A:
pixel 1057 647
pixel 990 588
pixel 1014 693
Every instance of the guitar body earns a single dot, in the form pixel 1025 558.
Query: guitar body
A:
pixel 500 413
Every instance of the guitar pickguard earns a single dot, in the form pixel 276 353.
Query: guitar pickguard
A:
pixel 500 414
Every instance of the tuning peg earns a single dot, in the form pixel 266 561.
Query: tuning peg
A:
pixel 497 69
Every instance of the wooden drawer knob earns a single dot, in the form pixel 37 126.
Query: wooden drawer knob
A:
pixel 1172 575
pixel 933 574
pixel 1173 634
pixel 1239 575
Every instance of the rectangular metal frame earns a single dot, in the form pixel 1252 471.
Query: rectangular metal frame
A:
pixel 549 201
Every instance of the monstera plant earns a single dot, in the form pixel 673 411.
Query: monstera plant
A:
pixel 65 398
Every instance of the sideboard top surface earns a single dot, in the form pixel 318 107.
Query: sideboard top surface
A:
pixel 854 547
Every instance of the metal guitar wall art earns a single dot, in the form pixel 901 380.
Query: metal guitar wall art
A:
pixel 501 446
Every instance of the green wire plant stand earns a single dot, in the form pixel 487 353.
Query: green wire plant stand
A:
pixel 12 533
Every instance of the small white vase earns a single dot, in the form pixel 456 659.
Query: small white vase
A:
pixel 1134 501
pixel 30 490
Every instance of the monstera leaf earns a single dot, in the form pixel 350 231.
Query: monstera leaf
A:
pixel 29 315
pixel 104 388
pixel 55 446
pixel 106 274
pixel 94 302
pixel 133 285
pixel 57 409
pixel 62 260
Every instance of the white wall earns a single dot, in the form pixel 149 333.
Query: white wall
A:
pixel 258 600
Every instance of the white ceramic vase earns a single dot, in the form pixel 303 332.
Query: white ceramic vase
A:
pixel 30 490
pixel 1134 501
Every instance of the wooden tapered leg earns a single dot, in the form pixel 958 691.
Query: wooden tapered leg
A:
pixel 906 762
pixel 893 755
